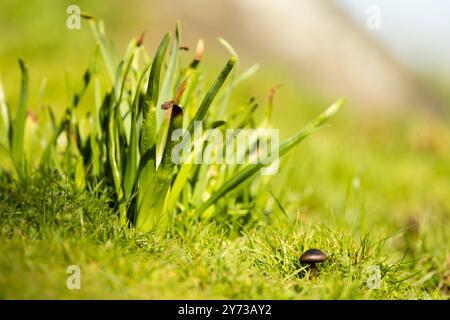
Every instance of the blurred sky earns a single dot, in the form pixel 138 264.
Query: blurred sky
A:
pixel 416 31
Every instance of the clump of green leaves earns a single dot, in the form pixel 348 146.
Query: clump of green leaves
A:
pixel 126 145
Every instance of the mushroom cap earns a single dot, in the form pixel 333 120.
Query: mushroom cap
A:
pixel 313 256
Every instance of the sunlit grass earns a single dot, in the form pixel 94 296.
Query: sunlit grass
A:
pixel 368 192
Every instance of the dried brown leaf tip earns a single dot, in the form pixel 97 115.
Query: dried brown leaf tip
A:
pixel 32 116
pixel 198 54
pixel 87 16
pixel 140 40
pixel 174 104
pixel 180 91
pixel 272 93
pixel 167 105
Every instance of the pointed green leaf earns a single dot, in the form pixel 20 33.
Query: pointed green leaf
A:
pixel 19 123
pixel 211 94
pixel 148 132
pixel 168 84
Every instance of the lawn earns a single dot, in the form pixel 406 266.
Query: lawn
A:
pixel 371 191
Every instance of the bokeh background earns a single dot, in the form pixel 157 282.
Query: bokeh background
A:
pixel 323 47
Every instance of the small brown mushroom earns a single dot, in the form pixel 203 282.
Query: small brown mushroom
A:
pixel 311 257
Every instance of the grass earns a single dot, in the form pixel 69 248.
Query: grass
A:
pixel 368 192
pixel 128 144
pixel 46 228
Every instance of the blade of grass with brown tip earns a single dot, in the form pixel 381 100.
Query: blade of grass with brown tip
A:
pixel 168 83
pixel 133 148
pixel 96 134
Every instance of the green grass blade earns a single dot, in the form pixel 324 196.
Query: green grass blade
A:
pixel 156 219
pixel 117 84
pixel 117 139
pixel 168 84
pixel 112 157
pixel 188 100
pixel 151 96
pixel 121 137
pixel 246 74
pixel 72 125
pixel 211 94
pixel 96 134
pixel 100 39
pixel 167 91
pixel 201 185
pixel 80 175
pixel 148 108
pixel 148 132
pixel 95 155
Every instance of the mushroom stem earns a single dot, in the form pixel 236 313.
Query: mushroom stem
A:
pixel 312 270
